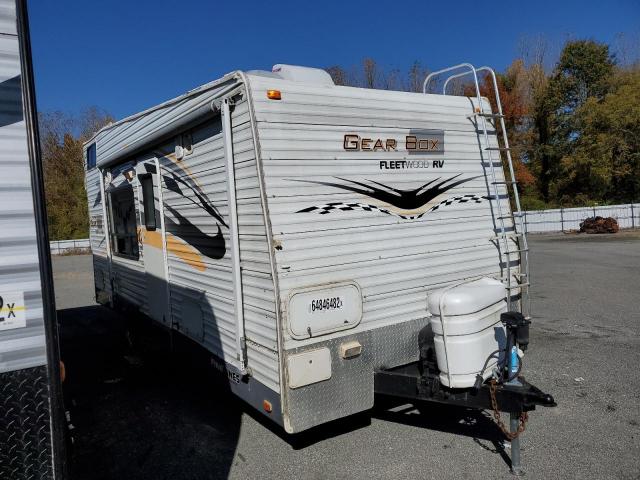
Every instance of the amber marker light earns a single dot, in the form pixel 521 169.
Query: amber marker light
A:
pixel 274 95
pixel 266 404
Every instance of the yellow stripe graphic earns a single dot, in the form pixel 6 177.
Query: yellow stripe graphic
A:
pixel 14 309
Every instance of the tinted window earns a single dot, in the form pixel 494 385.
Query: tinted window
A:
pixel 91 156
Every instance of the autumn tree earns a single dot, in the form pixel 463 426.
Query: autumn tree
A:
pixel 61 140
pixel 514 92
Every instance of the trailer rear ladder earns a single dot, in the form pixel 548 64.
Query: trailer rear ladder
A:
pixel 514 281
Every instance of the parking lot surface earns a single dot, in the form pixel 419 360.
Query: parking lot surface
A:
pixel 141 413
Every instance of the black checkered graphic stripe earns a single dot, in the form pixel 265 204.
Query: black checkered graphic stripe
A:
pixel 459 199
pixel 345 207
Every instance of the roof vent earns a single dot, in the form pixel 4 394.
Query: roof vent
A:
pixel 296 73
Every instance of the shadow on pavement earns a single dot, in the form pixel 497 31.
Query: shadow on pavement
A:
pixel 462 421
pixel 143 412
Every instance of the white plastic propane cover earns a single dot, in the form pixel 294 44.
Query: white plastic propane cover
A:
pixel 471 330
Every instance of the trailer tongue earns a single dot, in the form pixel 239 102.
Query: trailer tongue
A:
pixel 410 382
pixel 505 391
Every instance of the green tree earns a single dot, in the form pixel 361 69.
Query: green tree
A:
pixel 604 162
pixel 583 71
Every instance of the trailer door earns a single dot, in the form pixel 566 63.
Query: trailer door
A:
pixel 152 236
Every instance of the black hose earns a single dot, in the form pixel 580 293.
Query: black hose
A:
pixel 509 378
pixel 486 362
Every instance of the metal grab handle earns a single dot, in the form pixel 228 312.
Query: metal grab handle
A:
pixel 463 74
pixel 471 68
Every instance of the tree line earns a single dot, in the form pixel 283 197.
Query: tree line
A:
pixel 574 128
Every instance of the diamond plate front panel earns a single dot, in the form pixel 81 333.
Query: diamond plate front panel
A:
pixel 25 430
pixel 350 388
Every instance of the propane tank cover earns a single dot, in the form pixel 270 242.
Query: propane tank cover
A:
pixel 472 330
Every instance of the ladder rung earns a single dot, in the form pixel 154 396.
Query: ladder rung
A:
pixel 510 182
pixel 487 115
pixel 515 251
pixel 509 234
pixel 498 149
pixel 521 275
pixel 514 215
pixel 518 285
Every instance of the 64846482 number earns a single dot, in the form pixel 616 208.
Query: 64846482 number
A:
pixel 320 304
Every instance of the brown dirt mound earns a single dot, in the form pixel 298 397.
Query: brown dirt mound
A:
pixel 599 225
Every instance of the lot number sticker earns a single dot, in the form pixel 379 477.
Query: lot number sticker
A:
pixel 12 310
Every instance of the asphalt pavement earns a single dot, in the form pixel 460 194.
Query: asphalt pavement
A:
pixel 141 413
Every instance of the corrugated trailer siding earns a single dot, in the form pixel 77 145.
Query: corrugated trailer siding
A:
pixel 8 24
pixel 319 105
pixel 20 348
pixel 129 281
pixel 257 279
pixel 97 234
pixel 94 197
pixel 212 285
pixel 395 261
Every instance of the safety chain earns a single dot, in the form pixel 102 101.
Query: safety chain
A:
pixel 524 416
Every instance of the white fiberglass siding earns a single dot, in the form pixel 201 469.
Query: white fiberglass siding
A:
pixel 395 261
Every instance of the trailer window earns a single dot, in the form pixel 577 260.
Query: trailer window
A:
pixel 91 156
pixel 148 201
pixel 124 240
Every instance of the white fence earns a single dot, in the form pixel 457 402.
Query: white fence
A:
pixel 567 219
pixel 63 246
pixel 535 221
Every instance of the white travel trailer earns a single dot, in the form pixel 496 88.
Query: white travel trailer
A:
pixel 32 423
pixel 296 229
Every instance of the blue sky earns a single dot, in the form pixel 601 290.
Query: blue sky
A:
pixel 125 56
